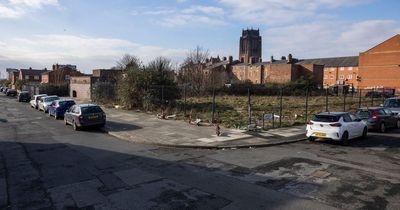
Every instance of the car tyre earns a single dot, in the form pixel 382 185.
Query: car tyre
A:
pixel 311 139
pixel 55 116
pixel 345 138
pixel 75 126
pixel 398 124
pixel 382 128
pixel 365 133
pixel 65 121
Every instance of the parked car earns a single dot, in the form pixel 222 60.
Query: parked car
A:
pixel 338 126
pixel 45 102
pixel 393 104
pixel 59 107
pixel 2 88
pixel 379 94
pixel 379 118
pixel 85 115
pixel 35 102
pixel 11 92
pixel 24 96
pixel 5 90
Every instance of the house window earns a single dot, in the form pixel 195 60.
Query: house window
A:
pixel 36 77
pixel 341 68
pixel 350 68
pixel 341 76
pixel 27 77
pixel 350 76
pixel 332 77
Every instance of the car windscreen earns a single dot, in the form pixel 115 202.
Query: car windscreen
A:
pixel 363 114
pixel 24 94
pixel 392 103
pixel 67 103
pixel 91 109
pixel 48 99
pixel 325 118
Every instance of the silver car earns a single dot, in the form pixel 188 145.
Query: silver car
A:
pixel 35 102
pixel 45 102
pixel 393 104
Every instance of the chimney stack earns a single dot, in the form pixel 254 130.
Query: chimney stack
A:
pixel 272 59
pixel 290 58
pixel 230 59
pixel 224 58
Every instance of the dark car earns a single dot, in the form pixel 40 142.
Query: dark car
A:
pixel 59 107
pixel 85 115
pixel 379 118
pixel 377 94
pixel 11 92
pixel 24 96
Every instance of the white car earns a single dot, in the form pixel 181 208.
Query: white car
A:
pixel 338 126
pixel 45 102
pixel 35 101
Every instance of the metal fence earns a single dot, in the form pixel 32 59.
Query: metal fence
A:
pixel 265 108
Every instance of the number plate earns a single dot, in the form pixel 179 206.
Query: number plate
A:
pixel 320 134
pixel 93 117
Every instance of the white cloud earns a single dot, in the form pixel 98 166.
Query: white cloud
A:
pixel 195 14
pixel 277 11
pixel 87 52
pixel 19 8
pixel 327 39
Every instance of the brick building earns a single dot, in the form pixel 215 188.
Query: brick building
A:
pixel 31 76
pixel 81 87
pixel 60 74
pixel 250 48
pixel 337 70
pixel 379 67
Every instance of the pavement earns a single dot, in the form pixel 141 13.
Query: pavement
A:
pixel 148 129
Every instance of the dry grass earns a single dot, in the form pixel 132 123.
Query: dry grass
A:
pixel 234 109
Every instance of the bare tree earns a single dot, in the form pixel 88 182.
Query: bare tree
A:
pixel 192 70
pixel 128 61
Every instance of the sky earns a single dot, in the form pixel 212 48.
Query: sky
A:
pixel 96 33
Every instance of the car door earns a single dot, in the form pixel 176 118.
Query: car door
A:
pixel 390 117
pixel 358 124
pixel 68 114
pixel 350 126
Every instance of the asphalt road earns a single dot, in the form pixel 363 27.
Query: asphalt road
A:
pixel 46 165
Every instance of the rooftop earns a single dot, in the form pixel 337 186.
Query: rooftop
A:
pixel 332 62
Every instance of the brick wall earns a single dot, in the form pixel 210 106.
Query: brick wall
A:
pixel 80 87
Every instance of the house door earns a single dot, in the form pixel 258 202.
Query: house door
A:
pixel 74 94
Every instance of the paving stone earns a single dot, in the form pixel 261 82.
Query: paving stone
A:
pixel 136 176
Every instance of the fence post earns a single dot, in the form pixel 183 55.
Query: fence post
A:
pixel 280 107
pixel 273 120
pixel 306 114
pixel 359 99
pixel 344 102
pixel 249 104
pixel 263 121
pixel 383 95
pixel 213 106
pixel 184 101
pixel 326 99
pixel 372 100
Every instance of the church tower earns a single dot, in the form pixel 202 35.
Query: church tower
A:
pixel 250 46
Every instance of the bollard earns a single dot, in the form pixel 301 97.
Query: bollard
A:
pixel 217 128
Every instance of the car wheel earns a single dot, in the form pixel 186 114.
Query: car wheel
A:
pixel 382 128
pixel 49 114
pixel 365 133
pixel 65 121
pixel 345 138
pixel 75 126
pixel 398 124
pixel 311 139
pixel 55 116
